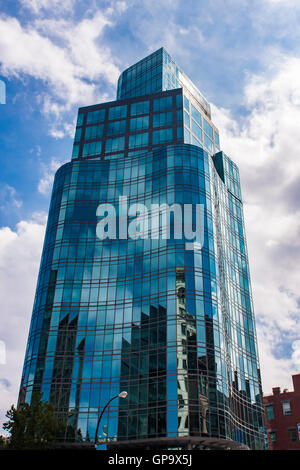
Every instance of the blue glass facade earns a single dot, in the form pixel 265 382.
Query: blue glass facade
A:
pixel 174 327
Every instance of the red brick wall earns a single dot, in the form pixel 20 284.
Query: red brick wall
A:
pixel 281 423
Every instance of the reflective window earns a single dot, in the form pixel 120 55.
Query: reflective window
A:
pixel 114 145
pixel 179 101
pixel 162 136
pixel 162 119
pixel 93 148
pixel 140 123
pixel 208 143
pixel 186 103
pixel 94 132
pixel 117 112
pixel 179 115
pixel 139 108
pixel 138 140
pixel 186 119
pixel 187 136
pixel 217 140
pixel 96 116
pixel 196 130
pixel 196 115
pixel 77 135
pixel 75 152
pixel 161 104
pixel 80 119
pixel 207 128
pixel 116 127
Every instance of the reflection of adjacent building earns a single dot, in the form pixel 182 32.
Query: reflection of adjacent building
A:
pixel 143 375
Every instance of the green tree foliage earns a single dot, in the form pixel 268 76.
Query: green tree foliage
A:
pixel 33 426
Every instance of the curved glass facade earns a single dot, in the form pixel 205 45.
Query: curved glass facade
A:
pixel 172 326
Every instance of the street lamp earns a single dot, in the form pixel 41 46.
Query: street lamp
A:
pixel 121 395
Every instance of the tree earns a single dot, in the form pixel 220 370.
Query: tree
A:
pixel 33 426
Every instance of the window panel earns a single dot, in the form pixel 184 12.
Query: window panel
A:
pixel 162 136
pixel 139 108
pixel 196 115
pixel 80 119
pixel 140 123
pixel 93 148
pixel 207 128
pixel 162 119
pixel 197 131
pixel 117 112
pixel 114 145
pixel 186 103
pixel 270 412
pixel 96 116
pixel 138 140
pixel 217 140
pixel 93 132
pixel 208 143
pixel 162 104
pixel 77 135
pixel 75 152
pixel 117 127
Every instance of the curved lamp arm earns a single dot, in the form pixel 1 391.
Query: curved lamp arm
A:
pixel 121 395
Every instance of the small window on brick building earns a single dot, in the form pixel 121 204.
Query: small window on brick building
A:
pixel 270 412
pixel 273 437
pixel 293 434
pixel 286 408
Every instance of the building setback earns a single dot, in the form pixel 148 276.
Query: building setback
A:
pixel 282 413
pixel 172 326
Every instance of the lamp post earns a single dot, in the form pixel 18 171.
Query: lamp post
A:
pixel 121 395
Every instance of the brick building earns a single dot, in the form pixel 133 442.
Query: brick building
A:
pixel 282 412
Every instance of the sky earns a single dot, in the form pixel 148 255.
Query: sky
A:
pixel 244 56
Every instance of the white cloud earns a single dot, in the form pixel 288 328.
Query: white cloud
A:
pixel 45 183
pixel 20 252
pixel 266 145
pixel 67 56
pixel 56 5
pixel 9 199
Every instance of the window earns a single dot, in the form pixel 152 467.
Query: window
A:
pixel 196 130
pixel 179 115
pixel 139 108
pixel 92 148
pixel 80 119
pixel 270 412
pixel 178 101
pixel 140 123
pixel 217 140
pixel 208 143
pixel 186 103
pixel 94 132
pixel 117 112
pixel 75 151
pixel 117 127
pixel 196 115
pixel 186 119
pixel 286 408
pixel 207 128
pixel 293 434
pixel 162 119
pixel 273 437
pixel 77 135
pixel 161 104
pixel 114 145
pixel 162 136
pixel 96 116
pixel 187 138
pixel 138 140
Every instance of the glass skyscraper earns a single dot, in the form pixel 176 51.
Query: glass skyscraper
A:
pixel 172 326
